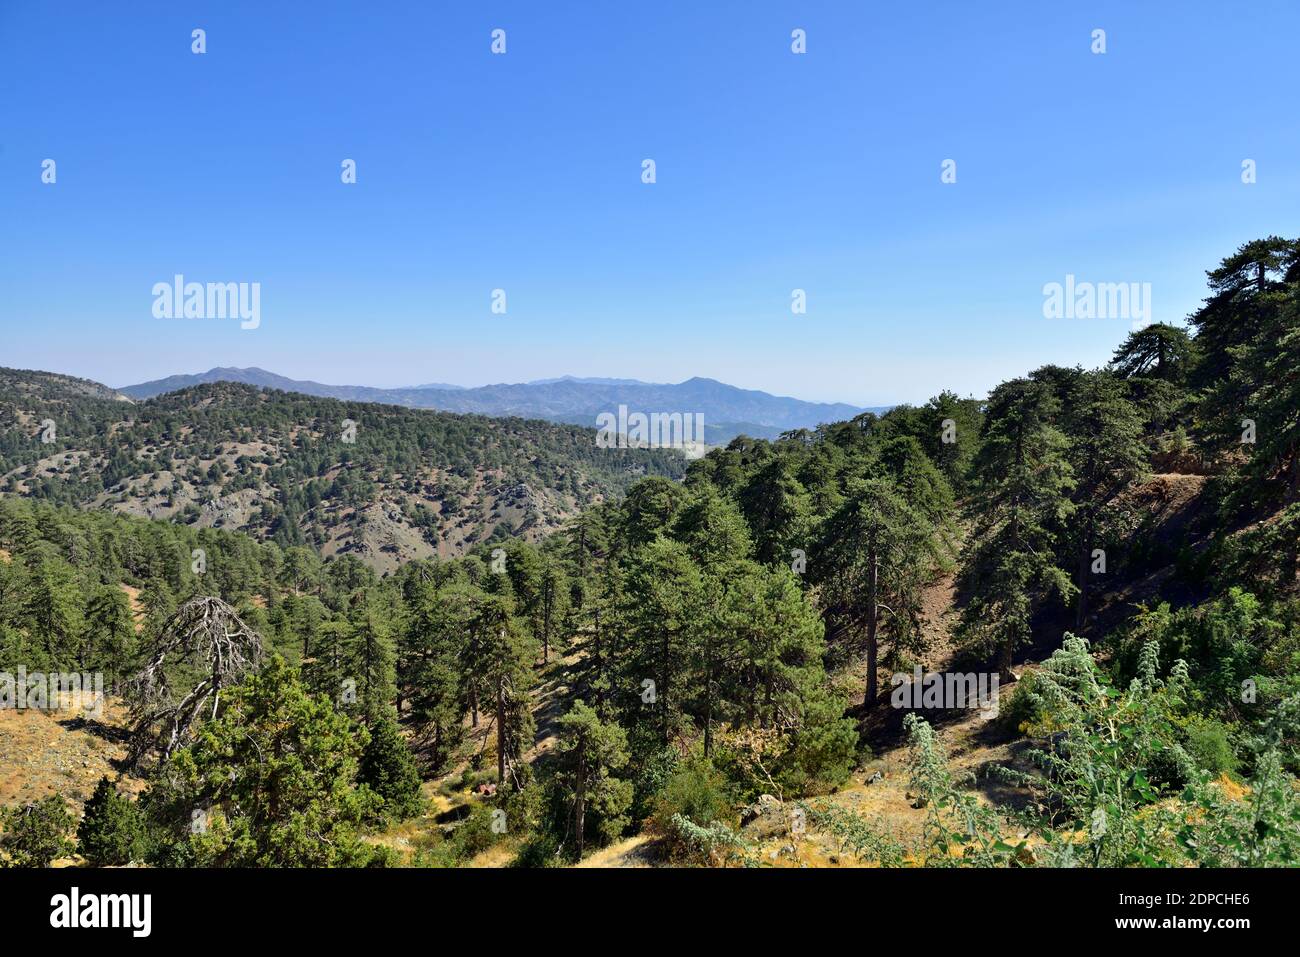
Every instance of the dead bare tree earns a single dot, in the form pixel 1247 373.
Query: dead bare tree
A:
pixel 205 634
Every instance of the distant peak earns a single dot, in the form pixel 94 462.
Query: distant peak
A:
pixel 586 380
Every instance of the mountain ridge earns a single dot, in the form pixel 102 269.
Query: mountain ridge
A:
pixel 728 410
pixel 393 485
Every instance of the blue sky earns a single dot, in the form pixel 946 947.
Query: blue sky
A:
pixel 522 171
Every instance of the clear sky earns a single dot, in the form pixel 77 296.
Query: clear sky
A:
pixel 522 171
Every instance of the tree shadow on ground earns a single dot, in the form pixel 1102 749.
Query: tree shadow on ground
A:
pixel 108 732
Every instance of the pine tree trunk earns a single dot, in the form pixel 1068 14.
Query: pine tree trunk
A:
pixel 1293 496
pixel 872 615
pixel 663 692
pixel 708 710
pixel 1081 610
pixel 501 735
pixel 600 661
pixel 1008 643
pixel 546 627
pixel 580 800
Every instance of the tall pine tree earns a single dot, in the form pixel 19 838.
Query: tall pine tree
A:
pixel 1021 486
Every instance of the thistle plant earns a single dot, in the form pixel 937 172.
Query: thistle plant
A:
pixel 960 829
pixel 865 840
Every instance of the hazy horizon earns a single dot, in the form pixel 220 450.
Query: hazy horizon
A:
pixel 114 380
pixel 460 385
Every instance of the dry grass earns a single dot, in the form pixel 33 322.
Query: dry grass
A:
pixel 59 752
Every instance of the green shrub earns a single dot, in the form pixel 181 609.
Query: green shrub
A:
pixel 656 771
pixel 111 832
pixel 471 837
pixel 715 844
pixel 1024 708
pixel 1210 746
pixel 35 834
pixel 388 768
pixel 542 849
pixel 696 792
pixel 822 750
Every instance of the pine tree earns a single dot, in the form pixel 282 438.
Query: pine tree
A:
pixel 713 651
pixel 371 655
pixel 388 768
pixel 524 569
pixel 768 672
pixel 903 461
pixel 304 617
pixel 875 554
pixel 51 610
pixel 327 671
pixel 588 537
pixel 777 508
pixel 1157 351
pixel 158 604
pixel 1267 377
pixel 429 666
pixel 1107 456
pixel 34 835
pixel 552 601
pixel 1245 297
pixel 777 647
pixel 276 772
pixel 497 666
pixel 588 751
pixel 111 832
pixel 952 429
pixel 650 508
pixel 665 598
pixel 301 570
pixel 603 616
pixel 1021 486
pixel 713 530
pixel 109 642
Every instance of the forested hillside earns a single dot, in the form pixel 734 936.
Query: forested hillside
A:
pixel 728 411
pixel 383 483
pixel 702 671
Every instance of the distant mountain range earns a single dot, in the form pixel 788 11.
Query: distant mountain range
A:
pixel 728 411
